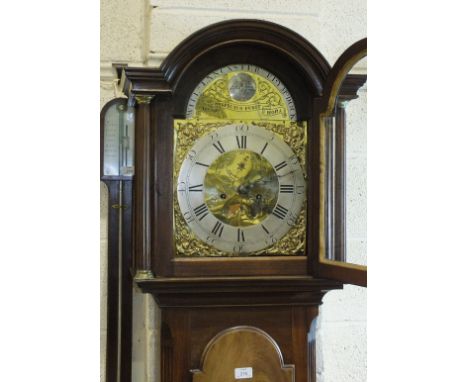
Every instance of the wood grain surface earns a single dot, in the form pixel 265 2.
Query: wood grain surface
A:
pixel 240 348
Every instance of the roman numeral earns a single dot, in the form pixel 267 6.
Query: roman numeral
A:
pixel 264 147
pixel 241 141
pixel 265 229
pixel 218 146
pixel 197 188
pixel 202 164
pixel 240 235
pixel 280 212
pixel 201 211
pixel 286 188
pixel 281 165
pixel 218 229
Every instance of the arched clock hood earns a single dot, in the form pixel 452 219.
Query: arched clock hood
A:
pixel 274 47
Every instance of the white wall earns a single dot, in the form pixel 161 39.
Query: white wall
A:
pixel 142 33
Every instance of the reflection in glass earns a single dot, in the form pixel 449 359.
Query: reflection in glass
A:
pixel 356 178
pixel 119 128
pixel 346 182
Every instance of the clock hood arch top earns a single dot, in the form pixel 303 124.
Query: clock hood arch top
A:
pixel 274 47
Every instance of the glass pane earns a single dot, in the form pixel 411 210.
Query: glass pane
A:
pixel 346 180
pixel 119 127
pixel 356 172
pixel 343 184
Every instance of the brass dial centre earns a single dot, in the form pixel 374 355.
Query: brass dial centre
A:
pixel 241 188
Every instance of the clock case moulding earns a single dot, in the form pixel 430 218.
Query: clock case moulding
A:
pixel 230 287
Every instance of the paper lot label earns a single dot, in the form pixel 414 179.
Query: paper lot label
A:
pixel 243 373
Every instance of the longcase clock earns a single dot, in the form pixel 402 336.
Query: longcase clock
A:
pixel 237 199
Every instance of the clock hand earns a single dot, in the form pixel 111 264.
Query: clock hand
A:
pixel 290 172
pixel 246 187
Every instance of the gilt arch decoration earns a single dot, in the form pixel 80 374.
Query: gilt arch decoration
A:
pixel 252 41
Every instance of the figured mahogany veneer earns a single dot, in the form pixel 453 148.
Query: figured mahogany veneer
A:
pixel 244 352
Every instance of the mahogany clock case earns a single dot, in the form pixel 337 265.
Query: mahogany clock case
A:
pixel 203 297
pixel 293 60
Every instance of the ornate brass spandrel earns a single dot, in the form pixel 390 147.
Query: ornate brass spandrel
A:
pixel 186 244
pixel 187 132
pixel 217 102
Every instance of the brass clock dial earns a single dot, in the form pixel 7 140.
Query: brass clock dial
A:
pixel 240 188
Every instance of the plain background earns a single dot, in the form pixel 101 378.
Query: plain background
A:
pixel 417 191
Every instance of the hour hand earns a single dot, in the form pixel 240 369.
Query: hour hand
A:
pixel 290 172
